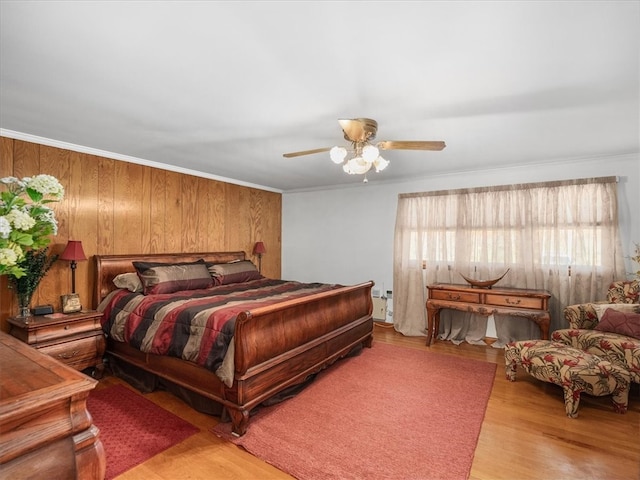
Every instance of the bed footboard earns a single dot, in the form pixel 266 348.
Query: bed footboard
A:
pixel 282 345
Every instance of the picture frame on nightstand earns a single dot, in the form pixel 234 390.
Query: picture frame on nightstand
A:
pixel 71 303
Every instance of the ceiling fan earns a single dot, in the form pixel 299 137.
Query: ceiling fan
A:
pixel 364 154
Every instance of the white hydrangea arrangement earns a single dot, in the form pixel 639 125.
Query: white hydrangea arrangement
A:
pixel 26 222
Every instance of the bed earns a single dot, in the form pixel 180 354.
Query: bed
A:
pixel 270 346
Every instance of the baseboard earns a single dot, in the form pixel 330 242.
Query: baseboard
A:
pixel 379 323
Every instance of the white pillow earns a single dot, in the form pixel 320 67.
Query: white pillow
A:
pixel 600 308
pixel 130 281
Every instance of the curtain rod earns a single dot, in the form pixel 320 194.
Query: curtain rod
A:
pixel 518 186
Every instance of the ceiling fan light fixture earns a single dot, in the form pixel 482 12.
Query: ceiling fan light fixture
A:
pixel 357 166
pixel 380 164
pixel 370 153
pixel 338 154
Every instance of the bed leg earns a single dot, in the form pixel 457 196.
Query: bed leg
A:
pixel 239 420
pixel 224 416
pixel 368 341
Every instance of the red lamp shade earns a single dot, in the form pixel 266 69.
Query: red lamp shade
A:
pixel 73 251
pixel 259 248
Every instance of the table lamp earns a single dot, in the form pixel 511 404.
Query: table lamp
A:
pixel 73 252
pixel 259 249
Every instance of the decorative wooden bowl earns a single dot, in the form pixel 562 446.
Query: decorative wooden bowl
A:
pixel 484 283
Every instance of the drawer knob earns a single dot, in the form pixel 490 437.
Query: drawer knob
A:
pixel 453 297
pixel 67 356
pixel 513 302
pixel 66 327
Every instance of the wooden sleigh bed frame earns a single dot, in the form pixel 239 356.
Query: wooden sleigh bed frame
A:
pixel 275 347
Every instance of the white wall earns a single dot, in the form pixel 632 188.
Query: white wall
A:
pixel 346 235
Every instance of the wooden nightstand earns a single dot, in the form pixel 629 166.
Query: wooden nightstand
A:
pixel 75 339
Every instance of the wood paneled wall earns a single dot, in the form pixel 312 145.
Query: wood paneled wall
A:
pixel 116 207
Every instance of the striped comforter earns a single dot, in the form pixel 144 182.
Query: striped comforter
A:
pixel 194 325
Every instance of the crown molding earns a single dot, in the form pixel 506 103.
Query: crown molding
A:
pixel 126 158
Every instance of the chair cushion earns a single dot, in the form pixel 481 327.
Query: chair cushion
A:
pixel 619 349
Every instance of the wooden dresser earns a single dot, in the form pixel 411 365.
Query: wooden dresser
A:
pixel 516 302
pixel 46 431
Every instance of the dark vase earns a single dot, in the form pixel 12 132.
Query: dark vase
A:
pixel 24 301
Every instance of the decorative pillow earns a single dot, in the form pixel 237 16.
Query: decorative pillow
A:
pixel 130 281
pixel 173 277
pixel 601 308
pixel 627 324
pixel 624 292
pixel 234 272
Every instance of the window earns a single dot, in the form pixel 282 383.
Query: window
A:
pixel 542 232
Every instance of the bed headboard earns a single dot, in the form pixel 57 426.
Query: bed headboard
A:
pixel 108 266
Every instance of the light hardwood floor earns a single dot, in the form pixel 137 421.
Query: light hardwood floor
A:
pixel 525 434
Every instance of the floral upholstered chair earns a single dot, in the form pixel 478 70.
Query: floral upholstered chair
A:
pixel 585 315
pixel 610 329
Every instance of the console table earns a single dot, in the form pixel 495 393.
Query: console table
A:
pixel 516 302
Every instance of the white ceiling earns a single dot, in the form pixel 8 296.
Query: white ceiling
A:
pixel 225 88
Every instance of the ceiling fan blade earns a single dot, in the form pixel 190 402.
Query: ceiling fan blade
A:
pixel 410 145
pixel 358 129
pixel 306 152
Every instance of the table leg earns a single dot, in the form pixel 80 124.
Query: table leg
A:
pixel 545 320
pixel 433 322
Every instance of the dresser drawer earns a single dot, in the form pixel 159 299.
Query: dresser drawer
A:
pixel 86 350
pixel 515 301
pixel 48 333
pixel 467 297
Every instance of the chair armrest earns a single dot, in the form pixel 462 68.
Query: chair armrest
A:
pixel 581 316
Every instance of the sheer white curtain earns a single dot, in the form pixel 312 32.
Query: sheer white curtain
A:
pixel 562 237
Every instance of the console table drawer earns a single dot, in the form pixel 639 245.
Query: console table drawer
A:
pixel 515 301
pixel 455 296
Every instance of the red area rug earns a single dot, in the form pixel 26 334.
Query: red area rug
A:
pixel 389 413
pixel 132 428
